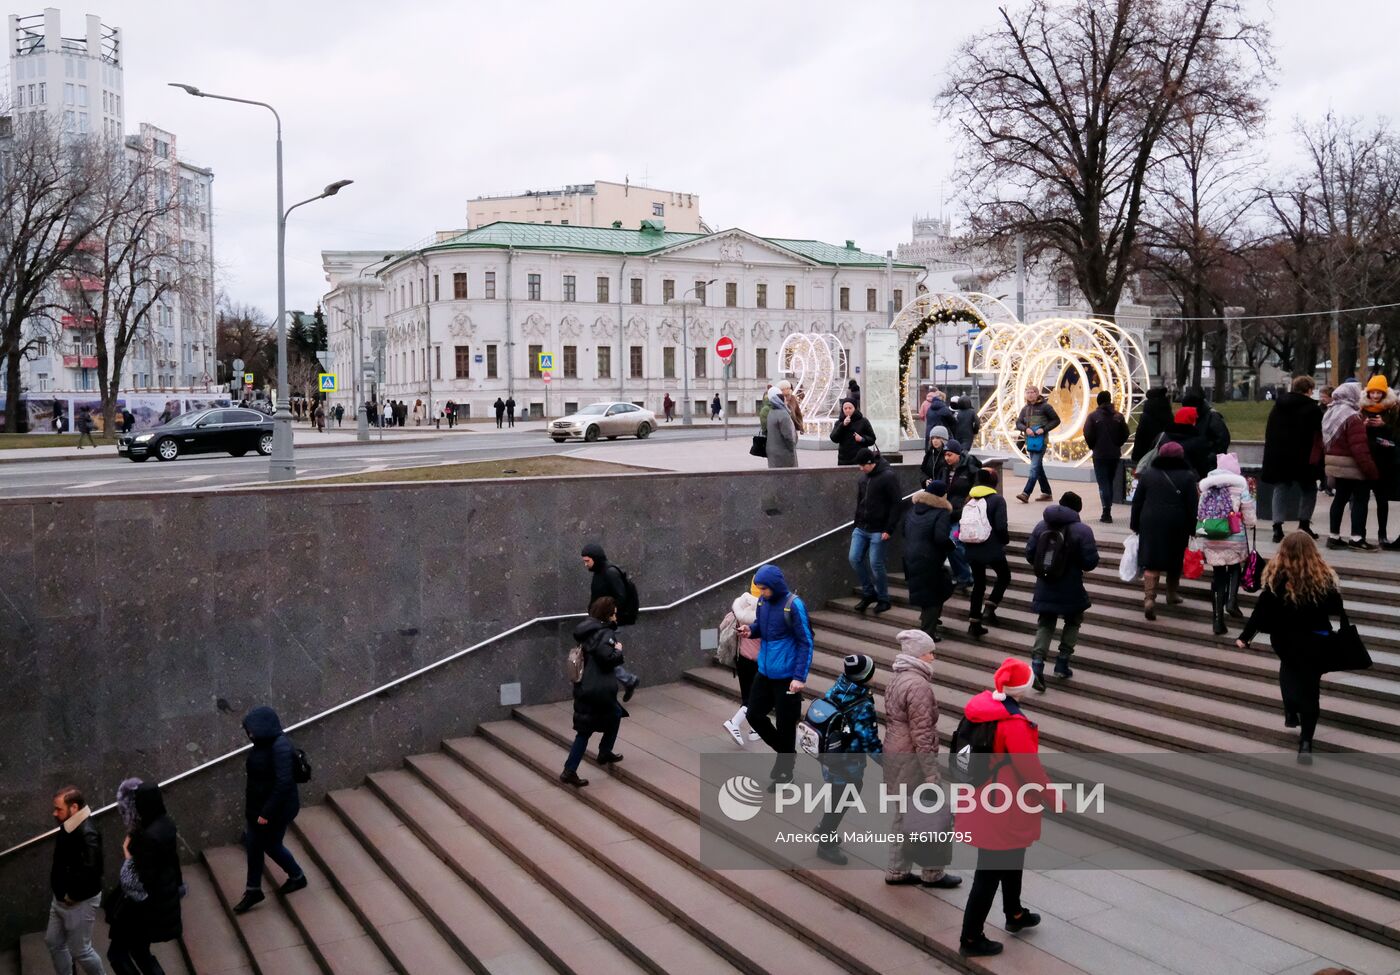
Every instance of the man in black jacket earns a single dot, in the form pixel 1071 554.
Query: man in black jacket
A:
pixel 1105 433
pixel 877 514
pixel 607 581
pixel 270 803
pixel 959 471
pixel 76 882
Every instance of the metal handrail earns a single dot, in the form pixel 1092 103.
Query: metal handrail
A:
pixel 457 655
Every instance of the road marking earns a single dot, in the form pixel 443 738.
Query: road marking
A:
pixel 85 485
pixel 198 477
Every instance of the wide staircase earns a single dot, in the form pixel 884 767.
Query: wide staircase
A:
pixel 475 859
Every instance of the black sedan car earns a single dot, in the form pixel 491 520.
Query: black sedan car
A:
pixel 235 431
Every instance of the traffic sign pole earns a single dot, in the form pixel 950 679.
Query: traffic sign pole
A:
pixel 724 348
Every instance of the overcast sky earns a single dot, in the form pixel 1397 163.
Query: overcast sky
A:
pixel 789 119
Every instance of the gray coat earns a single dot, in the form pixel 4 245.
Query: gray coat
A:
pixel 782 438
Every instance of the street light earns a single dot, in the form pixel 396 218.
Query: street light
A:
pixel 362 408
pixel 685 303
pixel 283 464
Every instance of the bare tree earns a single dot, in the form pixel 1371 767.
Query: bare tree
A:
pixel 245 333
pixel 1063 108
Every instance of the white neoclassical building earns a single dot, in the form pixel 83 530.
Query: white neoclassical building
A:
pixel 466 318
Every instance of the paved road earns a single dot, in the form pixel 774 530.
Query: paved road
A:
pixel 115 475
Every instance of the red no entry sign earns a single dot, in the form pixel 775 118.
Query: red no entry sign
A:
pixel 724 348
pixel 546 377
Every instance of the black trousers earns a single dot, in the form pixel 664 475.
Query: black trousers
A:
pixel 771 694
pixel 930 618
pixel 1302 690
pixel 1358 493
pixel 1380 489
pixel 979 584
pixel 995 868
pixel 132 957
pixel 1105 469
pixel 746 670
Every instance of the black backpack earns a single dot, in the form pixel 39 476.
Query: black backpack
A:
pixel 1051 554
pixel 970 754
pixel 631 603
pixel 301 767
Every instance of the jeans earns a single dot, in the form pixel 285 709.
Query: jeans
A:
pixel 69 936
pixel 1359 494
pixel 995 868
pixel 868 559
pixel 1037 474
pixel 957 562
pixel 771 694
pixel 130 956
pixel 1105 472
pixel 260 841
pixel 1301 689
pixel 1307 500
pixel 979 585
pixel 1045 631
pixel 580 745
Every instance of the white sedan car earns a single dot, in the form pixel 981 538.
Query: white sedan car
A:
pixel 611 420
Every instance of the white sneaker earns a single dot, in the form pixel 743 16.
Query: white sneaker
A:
pixel 734 732
pixel 755 736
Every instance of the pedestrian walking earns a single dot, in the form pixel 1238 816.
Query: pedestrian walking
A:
pixel 340 415
pixel 128 420
pixel 1349 466
pixel 85 426
pixel 419 411
pixel 1105 433
pixel 1380 412
pixel 1184 431
pixel 794 406
pixel 1153 421
pixel 876 517
pixel 1163 517
pixel 668 408
pixel 449 412
pixel 510 411
pixel 910 759
pixel 388 413
pixel 1002 833
pixel 321 417
pixel 781 431
pixel 1224 517
pixel 1297 604
pixel 743 613
pixel 500 407
pixel 928 540
pixel 75 880
pixel 851 695
pixel 853 392
pixel 145 908
pixel 715 408
pixel 966 423
pixel 596 708
pixel 959 472
pixel 1293 453
pixel 1209 424
pixel 1060 550
pixel 935 412
pixel 784 659
pixel 166 415
pixel 984 532
pixel 270 803
pixel 1035 421
pixel 609 580
pixel 850 433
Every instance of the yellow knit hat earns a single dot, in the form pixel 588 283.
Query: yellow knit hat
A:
pixel 1378 382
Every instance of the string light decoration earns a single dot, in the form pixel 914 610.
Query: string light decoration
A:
pixel 1074 359
pixel 815 363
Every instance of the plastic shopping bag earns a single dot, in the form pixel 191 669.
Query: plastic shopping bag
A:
pixel 1128 567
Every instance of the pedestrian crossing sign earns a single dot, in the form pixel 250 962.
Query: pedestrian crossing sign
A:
pixel 546 361
pixel 327 382
pixel 247 379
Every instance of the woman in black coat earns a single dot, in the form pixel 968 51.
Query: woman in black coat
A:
pixel 1164 519
pixel 850 433
pixel 1293 453
pixel 1194 445
pixel 596 708
pixel 270 803
pixel 147 909
pixel 1156 416
pixel 928 527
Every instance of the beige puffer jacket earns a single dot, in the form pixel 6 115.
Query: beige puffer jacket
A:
pixel 912 724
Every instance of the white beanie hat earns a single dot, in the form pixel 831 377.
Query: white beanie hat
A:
pixel 915 643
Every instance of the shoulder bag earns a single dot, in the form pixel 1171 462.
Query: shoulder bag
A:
pixel 1343 649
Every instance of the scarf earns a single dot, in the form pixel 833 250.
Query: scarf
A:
pixel 1344 402
pixel 904 661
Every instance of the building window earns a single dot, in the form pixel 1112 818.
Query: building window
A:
pixel 731 294
pixel 761 296
pixel 437 293
pixel 700 291
pixel 464 362
pixel 634 355
pixel 790 296
pixel 845 299
pixel 491 362
pixel 700 361
pixel 602 291
pixel 923 365
pixel 459 285
pixel 658 209
pixel 668 362
pixel 1154 358
pixel 571 362
pixel 490 284
pixel 898 298
pixel 870 299
pixel 604 362
pixel 532 286
pixel 41 347
pixel 668 289
pixel 570 288
pixel 535 351
pixel 760 363
pixel 636 291
pixel 1062 292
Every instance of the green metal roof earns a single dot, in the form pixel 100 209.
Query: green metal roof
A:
pixel 606 240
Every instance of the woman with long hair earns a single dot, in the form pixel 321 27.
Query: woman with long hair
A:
pixel 1298 601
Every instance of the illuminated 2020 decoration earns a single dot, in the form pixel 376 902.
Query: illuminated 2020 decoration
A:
pixel 1070 360
pixel 816 365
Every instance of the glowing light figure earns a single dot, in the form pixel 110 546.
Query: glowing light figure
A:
pixel 816 364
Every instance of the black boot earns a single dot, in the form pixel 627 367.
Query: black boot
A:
pixel 1217 613
pixel 1305 751
pixel 252 898
pixel 1278 533
pixel 865 603
pixel 1062 664
pixel 1038 669
pixel 989 615
pixel 1306 526
pixel 975 627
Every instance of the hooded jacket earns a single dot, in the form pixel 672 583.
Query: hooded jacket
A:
pixel 1038 414
pixel 783 629
pixel 1164 513
pixel 1348 448
pixel 994 548
pixel 938 414
pixel 781 430
pixel 1198 453
pixel 745 611
pixel 1293 440
pixel 927 541
pixel 153 870
pixel 877 499
pixel 1105 432
pixel 960 479
pixel 966 423
pixel 1209 424
pixel 271 792
pixel 1156 417
pixel 844 434
pixel 1232 550
pixel 1016 760
pixel 1066 594
pixel 76 873
pixel 858 700
pixel 596 707
pixel 607 578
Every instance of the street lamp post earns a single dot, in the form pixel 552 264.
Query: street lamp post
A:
pixel 283 464
pixel 362 407
pixel 685 302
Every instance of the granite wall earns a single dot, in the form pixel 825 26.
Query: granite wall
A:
pixel 136 631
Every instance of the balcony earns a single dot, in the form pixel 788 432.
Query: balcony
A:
pixel 82 284
pixel 72 321
pixel 80 362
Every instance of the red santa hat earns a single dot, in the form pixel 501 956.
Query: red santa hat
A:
pixel 1013 677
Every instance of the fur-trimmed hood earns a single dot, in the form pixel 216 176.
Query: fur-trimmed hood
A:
pixel 1226 479
pixel 745 609
pixel 931 500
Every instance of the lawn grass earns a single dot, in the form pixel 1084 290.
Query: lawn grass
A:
pixel 482 469
pixel 1245 419
pixel 20 441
